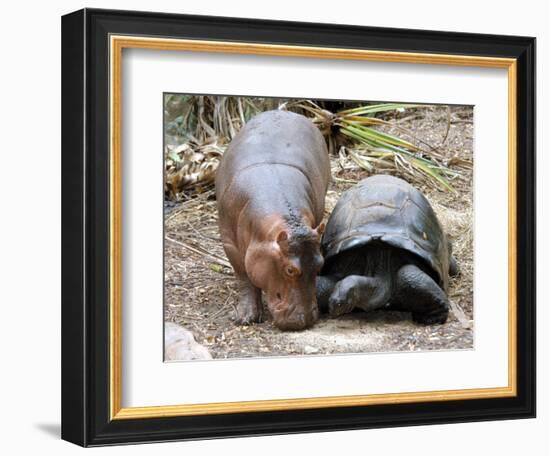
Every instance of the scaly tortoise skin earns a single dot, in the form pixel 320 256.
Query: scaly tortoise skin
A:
pixel 385 248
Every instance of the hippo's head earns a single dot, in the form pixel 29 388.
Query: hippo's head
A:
pixel 285 267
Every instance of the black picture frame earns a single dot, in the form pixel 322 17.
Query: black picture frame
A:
pixel 85 228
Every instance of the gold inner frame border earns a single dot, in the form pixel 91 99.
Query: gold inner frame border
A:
pixel 116 46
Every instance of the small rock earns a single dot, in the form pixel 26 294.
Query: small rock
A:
pixel 309 350
pixel 180 345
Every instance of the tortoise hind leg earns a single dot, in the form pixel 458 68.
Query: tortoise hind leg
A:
pixel 417 292
pixel 454 270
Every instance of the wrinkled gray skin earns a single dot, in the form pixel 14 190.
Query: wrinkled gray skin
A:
pixel 270 189
pixel 385 248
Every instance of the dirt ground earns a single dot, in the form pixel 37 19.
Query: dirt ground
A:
pixel 201 291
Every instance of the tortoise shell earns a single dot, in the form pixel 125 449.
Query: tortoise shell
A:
pixel 387 209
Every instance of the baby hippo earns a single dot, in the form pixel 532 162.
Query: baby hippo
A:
pixel 270 189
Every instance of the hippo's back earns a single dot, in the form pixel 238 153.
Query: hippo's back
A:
pixel 275 139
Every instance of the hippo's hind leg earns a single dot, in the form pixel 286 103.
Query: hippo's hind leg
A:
pixel 249 307
pixel 366 293
pixel 417 292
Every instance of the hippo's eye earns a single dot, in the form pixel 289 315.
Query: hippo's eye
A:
pixel 292 271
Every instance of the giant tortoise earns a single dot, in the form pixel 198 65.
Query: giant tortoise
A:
pixel 385 248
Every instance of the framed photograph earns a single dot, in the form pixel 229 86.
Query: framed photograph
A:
pixel 279 227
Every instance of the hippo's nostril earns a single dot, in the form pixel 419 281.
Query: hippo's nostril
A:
pixel 279 296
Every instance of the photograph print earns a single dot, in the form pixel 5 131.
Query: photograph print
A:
pixel 308 227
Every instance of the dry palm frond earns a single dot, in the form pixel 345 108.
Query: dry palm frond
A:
pixel 189 167
pixel 202 130
pixel 374 149
pixel 204 125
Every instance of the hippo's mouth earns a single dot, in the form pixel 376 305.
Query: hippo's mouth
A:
pixel 292 318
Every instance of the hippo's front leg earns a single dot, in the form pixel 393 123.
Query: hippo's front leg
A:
pixel 249 307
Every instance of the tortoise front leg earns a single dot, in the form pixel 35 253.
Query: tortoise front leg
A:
pixel 417 292
pixel 324 287
pixel 367 293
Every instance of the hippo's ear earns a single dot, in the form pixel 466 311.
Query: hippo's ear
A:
pixel 282 240
pixel 320 229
